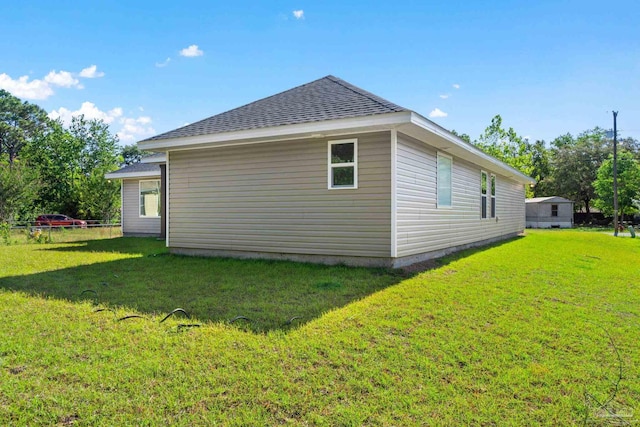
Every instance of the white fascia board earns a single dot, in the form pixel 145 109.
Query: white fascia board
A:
pixel 159 160
pixel 435 129
pixel 132 175
pixel 279 133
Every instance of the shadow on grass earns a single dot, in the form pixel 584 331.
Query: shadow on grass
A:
pixel 269 293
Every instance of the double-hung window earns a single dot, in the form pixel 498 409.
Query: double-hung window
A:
pixel 554 210
pixel 493 196
pixel 150 198
pixel 343 163
pixel 484 186
pixel 443 181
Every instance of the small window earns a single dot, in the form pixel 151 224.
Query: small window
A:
pixel 150 198
pixel 554 210
pixel 343 163
pixel 483 194
pixel 493 196
pixel 443 180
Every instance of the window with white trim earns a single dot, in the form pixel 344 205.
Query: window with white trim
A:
pixel 493 196
pixel 554 210
pixel 484 183
pixel 343 164
pixel 443 181
pixel 150 198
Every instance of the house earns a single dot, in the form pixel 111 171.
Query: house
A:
pixel 141 189
pixel 549 212
pixel 328 172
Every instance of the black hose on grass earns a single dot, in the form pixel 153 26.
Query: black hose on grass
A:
pixel 133 316
pixel 177 310
pixel 88 290
pixel 239 318
pixel 288 322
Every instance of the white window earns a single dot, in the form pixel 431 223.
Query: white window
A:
pixel 443 181
pixel 484 183
pixel 343 163
pixel 150 198
pixel 493 196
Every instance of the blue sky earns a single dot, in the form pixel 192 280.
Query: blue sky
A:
pixel 548 67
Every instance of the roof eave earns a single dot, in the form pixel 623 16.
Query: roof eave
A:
pixel 405 121
pixel 457 146
pixel 295 131
pixel 132 175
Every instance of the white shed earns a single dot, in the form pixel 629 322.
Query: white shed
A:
pixel 549 212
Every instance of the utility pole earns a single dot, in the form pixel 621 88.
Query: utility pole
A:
pixel 615 174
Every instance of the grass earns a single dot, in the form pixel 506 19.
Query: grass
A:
pixel 527 332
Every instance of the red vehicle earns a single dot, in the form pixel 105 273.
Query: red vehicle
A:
pixel 56 220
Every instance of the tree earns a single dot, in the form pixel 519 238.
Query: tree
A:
pixel 132 154
pixel 72 164
pixel 462 136
pixel 575 163
pixel 20 123
pixel 541 169
pixel 97 197
pixel 18 191
pixel 507 146
pixel 628 184
pixel 56 157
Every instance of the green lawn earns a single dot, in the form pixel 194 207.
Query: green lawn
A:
pixel 532 331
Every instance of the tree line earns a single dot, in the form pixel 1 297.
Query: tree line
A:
pixel 46 166
pixel 578 168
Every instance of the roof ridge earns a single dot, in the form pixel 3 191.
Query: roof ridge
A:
pixel 362 92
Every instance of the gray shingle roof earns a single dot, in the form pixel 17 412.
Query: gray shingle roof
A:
pixel 138 167
pixel 327 98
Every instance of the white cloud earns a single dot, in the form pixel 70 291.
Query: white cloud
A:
pixel 62 79
pixel 91 72
pixel 456 86
pixel 166 62
pixel 445 96
pixel 437 113
pixel 23 88
pixel 298 14
pixel 89 110
pixel 128 129
pixel 191 51
pixel 133 130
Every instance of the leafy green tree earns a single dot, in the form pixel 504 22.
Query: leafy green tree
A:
pixel 18 191
pixel 132 154
pixel 628 184
pixel 506 145
pixel 462 136
pixel 72 164
pixel 541 169
pixel 20 123
pixel 56 157
pixel 98 198
pixel 574 165
pixel 99 147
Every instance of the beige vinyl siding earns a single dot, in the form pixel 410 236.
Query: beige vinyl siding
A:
pixel 423 227
pixel 132 223
pixel 273 197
